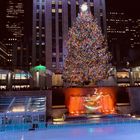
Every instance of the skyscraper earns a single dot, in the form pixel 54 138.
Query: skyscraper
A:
pixel 134 50
pixel 15 26
pixel 51 22
pixel 4 56
pixel 123 34
pixel 123 31
pixel 118 36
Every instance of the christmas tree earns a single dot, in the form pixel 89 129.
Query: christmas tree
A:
pixel 87 58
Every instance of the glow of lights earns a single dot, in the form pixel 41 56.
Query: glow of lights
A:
pixel 22 138
pixel 91 130
pixel 133 116
pixel 76 98
pixel 18 109
pixel 84 7
pixel 87 58
pixel 39 68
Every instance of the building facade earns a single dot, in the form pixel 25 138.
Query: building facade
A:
pixel 4 56
pixel 51 22
pixel 123 34
pixel 135 42
pixel 118 36
pixel 15 27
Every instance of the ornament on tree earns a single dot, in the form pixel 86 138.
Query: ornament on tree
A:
pixel 87 59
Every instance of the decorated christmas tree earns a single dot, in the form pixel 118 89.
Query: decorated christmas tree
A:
pixel 87 57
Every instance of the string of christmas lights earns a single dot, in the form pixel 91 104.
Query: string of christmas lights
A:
pixel 87 58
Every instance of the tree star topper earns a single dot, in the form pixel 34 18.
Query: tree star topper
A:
pixel 84 7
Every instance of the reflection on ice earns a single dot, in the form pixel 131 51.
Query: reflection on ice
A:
pixel 105 132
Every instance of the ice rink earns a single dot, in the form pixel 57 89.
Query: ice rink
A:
pixel 125 131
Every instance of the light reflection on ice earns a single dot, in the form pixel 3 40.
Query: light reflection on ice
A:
pixel 104 132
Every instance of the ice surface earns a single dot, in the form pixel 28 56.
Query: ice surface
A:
pixel 130 131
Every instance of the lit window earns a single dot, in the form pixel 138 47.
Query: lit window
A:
pixel 54 65
pixel 53 2
pixel 3 76
pixel 59 10
pixel 53 10
pixel 60 2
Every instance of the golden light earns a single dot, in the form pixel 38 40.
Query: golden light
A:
pixel 75 100
pixel 84 7
pixel 18 109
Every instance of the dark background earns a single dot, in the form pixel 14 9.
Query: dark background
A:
pixel 131 7
pixel 27 17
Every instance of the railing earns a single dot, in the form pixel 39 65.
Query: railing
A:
pixel 24 126
pixel 22 121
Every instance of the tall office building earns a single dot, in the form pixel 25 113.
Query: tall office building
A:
pixel 4 52
pixel 134 50
pixel 51 22
pixel 15 27
pixel 118 36
pixel 123 34
pixel 4 56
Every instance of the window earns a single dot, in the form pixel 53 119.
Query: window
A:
pixel 53 6
pixel 43 7
pixel 53 59
pixel 53 50
pixel 37 38
pixel 38 6
pixel 43 31
pixel 37 15
pixel 53 25
pixel 69 15
pixel 43 38
pixel 37 30
pixel 3 76
pixel 43 19
pixel 60 46
pixel 60 24
pixel 59 6
pixel 53 43
pixel 60 59
pixel 101 2
pixel 54 65
pixel 37 23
